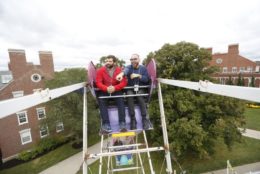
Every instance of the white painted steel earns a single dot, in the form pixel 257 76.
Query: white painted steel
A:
pixel 164 130
pixel 14 105
pixel 151 149
pixel 85 131
pixel 245 93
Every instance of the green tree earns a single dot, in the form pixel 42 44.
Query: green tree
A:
pixel 252 83
pixel 195 120
pixel 120 62
pixel 230 82
pixel 69 108
pixel 240 80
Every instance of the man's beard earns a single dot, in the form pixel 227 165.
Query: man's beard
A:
pixel 109 66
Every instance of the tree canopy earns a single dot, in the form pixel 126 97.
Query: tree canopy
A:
pixel 69 108
pixel 195 120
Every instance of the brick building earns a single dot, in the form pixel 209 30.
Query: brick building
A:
pixel 232 65
pixel 21 130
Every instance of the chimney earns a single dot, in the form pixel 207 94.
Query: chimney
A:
pixel 209 50
pixel 17 62
pixel 233 49
pixel 46 62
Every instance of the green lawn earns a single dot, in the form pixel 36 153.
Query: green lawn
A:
pixel 252 118
pixel 242 153
pixel 39 164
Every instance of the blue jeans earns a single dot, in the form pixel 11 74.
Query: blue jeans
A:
pixel 103 106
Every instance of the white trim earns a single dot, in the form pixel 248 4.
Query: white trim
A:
pixel 23 132
pixel 41 109
pixel 38 76
pixel 22 112
pixel 17 94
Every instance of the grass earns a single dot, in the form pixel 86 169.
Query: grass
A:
pixel 39 164
pixel 242 153
pixel 252 118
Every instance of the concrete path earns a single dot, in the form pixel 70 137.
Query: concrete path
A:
pixel 245 169
pixel 72 164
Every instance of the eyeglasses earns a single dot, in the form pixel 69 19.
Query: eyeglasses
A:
pixel 133 59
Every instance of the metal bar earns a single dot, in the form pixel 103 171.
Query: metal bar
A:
pixel 148 153
pixel 123 169
pixel 130 95
pixel 85 131
pixel 14 105
pixel 245 93
pixel 100 159
pixel 127 145
pixel 128 87
pixel 151 149
pixel 164 129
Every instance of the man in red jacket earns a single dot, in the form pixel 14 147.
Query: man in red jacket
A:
pixel 109 86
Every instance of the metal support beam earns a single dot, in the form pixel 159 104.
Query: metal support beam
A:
pixel 165 134
pixel 85 131
pixel 245 93
pixel 14 105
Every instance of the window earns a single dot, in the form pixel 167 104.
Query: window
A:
pixel 250 68
pixel 234 69
pixel 17 94
pixel 22 117
pixel 26 136
pixel 59 127
pixel 36 77
pixel 224 69
pixel 41 113
pixel 218 60
pixel 6 78
pixel 44 131
pixel 242 69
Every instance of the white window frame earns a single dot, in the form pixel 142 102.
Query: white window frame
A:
pixel 242 69
pixel 234 69
pixel 6 78
pixel 225 70
pixel 24 134
pixel 59 124
pixel 43 129
pixel 250 69
pixel 17 94
pixel 41 109
pixel 18 117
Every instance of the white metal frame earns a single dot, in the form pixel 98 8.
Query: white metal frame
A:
pixel 18 104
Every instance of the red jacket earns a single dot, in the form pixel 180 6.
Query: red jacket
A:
pixel 103 79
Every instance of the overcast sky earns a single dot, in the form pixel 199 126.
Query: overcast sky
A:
pixel 78 31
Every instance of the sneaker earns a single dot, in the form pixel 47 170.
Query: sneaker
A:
pixel 106 128
pixel 146 124
pixel 122 127
pixel 133 124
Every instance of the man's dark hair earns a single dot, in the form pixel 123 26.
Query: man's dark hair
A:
pixel 112 57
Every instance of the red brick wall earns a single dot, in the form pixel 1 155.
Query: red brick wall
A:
pixel 10 141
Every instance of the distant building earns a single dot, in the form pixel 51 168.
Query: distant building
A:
pixel 232 65
pixel 21 130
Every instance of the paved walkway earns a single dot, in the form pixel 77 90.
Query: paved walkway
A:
pixel 72 165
